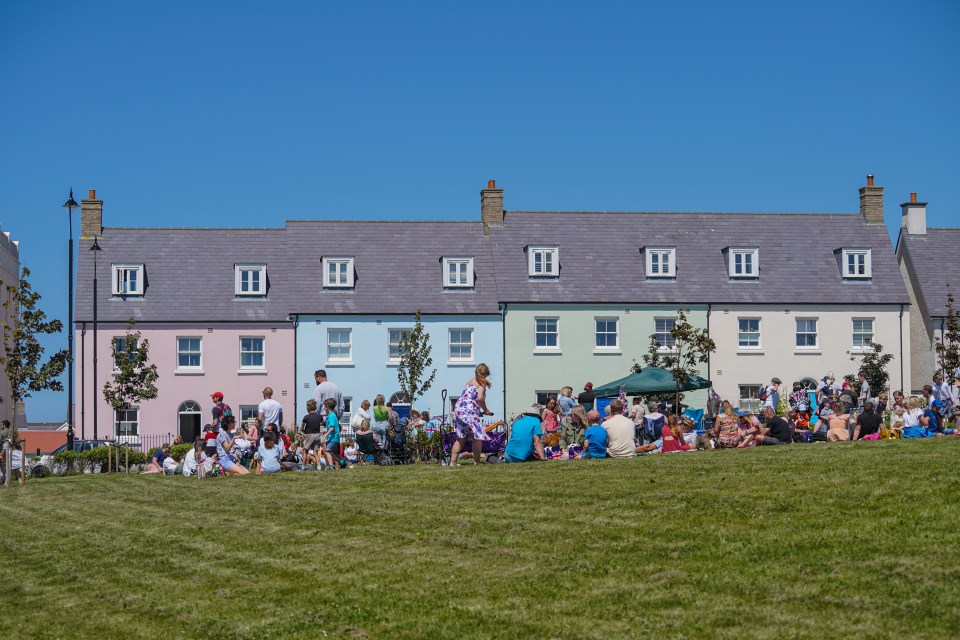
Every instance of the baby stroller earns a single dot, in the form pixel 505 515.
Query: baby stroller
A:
pixel 397 443
pixel 492 448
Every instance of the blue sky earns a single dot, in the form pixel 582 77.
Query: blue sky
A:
pixel 246 114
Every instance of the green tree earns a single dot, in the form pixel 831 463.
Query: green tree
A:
pixel 415 361
pixel 691 348
pixel 948 344
pixel 873 364
pixel 23 356
pixel 134 379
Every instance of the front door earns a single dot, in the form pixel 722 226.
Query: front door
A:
pixel 189 426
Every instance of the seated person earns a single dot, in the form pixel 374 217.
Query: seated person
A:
pixel 268 455
pixel 672 436
pixel 689 433
pixel 750 428
pixel 595 437
pixel 868 424
pixel 292 460
pixel 193 461
pixel 620 433
pixel 572 432
pixel 171 466
pixel 526 438
pixel 350 450
pixel 839 422
pixel 156 462
pixel 932 418
pixel 776 430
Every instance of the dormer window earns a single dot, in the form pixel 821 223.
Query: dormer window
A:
pixel 856 263
pixel 543 262
pixel 338 273
pixel 744 262
pixel 128 279
pixel 458 273
pixel 250 279
pixel 661 262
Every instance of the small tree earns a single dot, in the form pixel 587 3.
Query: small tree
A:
pixel 691 348
pixel 22 356
pixel 948 344
pixel 415 360
pixel 873 364
pixel 135 377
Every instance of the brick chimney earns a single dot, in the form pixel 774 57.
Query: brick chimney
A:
pixel 914 216
pixel 871 202
pixel 91 217
pixel 491 205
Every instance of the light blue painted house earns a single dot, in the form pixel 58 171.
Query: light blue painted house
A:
pixel 368 280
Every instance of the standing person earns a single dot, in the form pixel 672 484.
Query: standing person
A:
pixel 269 411
pixel 313 428
pixel 827 387
pixel 16 462
pixel 220 409
pixel 566 401
pixel 587 398
pixel 619 428
pixel 943 393
pixel 551 418
pixel 468 414
pixel 4 445
pixel 332 435
pixel 868 424
pixel 865 392
pixel 225 444
pixel 381 420
pixel 637 412
pixel 326 389
pixel 772 393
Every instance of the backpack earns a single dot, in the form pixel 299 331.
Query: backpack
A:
pixel 227 411
pixel 764 394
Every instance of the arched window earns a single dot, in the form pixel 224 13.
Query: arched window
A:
pixel 189 406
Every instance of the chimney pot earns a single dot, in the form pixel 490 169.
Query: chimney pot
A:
pixel 913 196
pixel 491 184
pixel 869 179
pixel 93 194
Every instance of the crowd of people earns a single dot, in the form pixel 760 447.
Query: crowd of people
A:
pixel 565 427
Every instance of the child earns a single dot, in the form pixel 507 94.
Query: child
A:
pixel 351 451
pixel 16 463
pixel 332 436
pixel 416 422
pixel 268 455
pixel 209 441
pixel 312 426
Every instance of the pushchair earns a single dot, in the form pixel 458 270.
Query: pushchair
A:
pixel 367 446
pixel 492 448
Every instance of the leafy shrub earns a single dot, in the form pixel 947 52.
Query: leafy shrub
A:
pixel 180 451
pixel 65 457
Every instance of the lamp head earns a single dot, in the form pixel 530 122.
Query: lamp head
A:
pixel 70 204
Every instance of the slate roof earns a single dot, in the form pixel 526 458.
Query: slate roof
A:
pixel 600 259
pixel 931 257
pixel 190 275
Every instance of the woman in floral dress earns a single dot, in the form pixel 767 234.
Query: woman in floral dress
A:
pixel 468 414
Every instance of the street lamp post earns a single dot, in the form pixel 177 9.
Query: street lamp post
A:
pixel 70 205
pixel 96 249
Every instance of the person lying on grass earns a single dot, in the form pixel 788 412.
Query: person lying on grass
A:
pixel 156 462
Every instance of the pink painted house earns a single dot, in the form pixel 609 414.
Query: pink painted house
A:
pixel 211 304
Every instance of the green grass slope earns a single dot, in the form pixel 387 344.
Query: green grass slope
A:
pixel 815 541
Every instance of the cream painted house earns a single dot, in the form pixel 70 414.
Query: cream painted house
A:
pixel 9 276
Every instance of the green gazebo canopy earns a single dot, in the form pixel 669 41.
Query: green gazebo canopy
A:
pixel 649 380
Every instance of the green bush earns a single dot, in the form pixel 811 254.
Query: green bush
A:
pixel 65 457
pixel 180 451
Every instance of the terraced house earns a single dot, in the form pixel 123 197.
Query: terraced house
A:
pixel 545 298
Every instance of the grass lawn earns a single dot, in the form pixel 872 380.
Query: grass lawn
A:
pixel 812 541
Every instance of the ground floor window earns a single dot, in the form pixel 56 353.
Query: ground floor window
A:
pixel 544 396
pixel 750 397
pixel 127 423
pixel 248 413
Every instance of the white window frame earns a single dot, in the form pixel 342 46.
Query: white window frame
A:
pixel 555 348
pixel 741 333
pixel 467 264
pixel 390 358
pixel 616 334
pixel 190 368
pixel 816 334
pixel 665 348
pixel 339 345
pixel 867 265
pixel 553 252
pixel 751 401
pixel 339 260
pixel 118 270
pixel 250 410
pixel 238 271
pixel 262 352
pixel 120 340
pixel 136 423
pixel 450 344
pixel 753 252
pixel 855 333
pixel 660 252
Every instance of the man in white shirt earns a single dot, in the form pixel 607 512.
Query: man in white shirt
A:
pixel 620 432
pixel 943 393
pixel 270 411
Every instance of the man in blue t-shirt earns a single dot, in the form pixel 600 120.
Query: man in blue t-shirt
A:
pixel 932 418
pixel 525 442
pixel 595 437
